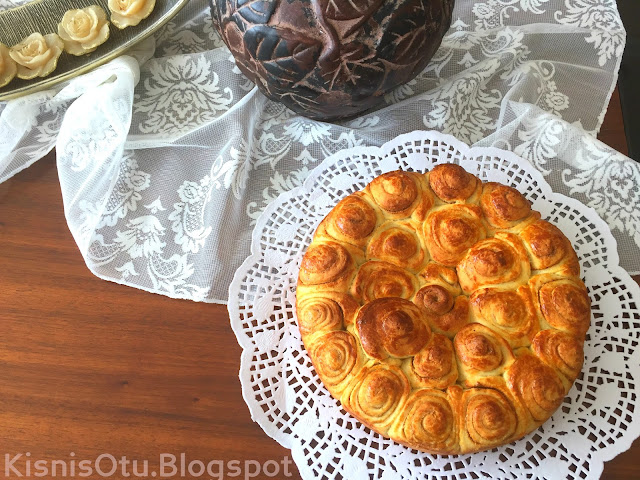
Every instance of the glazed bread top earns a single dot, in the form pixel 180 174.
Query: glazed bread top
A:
pixel 441 311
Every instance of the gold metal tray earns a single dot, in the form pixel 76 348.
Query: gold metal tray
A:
pixel 44 15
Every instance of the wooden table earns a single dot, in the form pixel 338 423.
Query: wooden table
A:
pixel 92 367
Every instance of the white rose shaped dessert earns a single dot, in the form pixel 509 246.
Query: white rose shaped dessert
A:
pixel 8 67
pixel 37 55
pixel 84 30
pixel 129 13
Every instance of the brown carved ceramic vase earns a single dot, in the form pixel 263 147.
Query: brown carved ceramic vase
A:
pixel 330 59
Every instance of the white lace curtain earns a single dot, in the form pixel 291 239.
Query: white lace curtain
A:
pixel 167 156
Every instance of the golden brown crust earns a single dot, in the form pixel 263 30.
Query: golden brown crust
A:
pixel 433 299
pixel 391 327
pixel 536 385
pixel 434 366
pixel 500 260
pixel 452 184
pixel 442 312
pixel 548 248
pixel 336 356
pixel 508 312
pixel 398 243
pixel 401 194
pixel 376 394
pixel 328 264
pixel 325 311
pixel 504 207
pixel 435 273
pixel 561 351
pixel 352 220
pixel 377 279
pixel 565 305
pixel 451 230
pixel 489 417
pixel 428 420
pixel 481 353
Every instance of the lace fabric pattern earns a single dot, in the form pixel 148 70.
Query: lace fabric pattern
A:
pixel 159 148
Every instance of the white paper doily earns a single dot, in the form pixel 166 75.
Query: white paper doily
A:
pixel 288 400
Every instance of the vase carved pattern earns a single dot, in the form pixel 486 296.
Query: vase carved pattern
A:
pixel 331 59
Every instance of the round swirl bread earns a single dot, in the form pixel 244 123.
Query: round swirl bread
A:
pixel 442 311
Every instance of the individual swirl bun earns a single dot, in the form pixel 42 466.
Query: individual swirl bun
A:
pixel 563 303
pixel 377 279
pixel 402 194
pixel 549 250
pixel 450 231
pixel 445 313
pixel 321 313
pixel 561 351
pixel 536 385
pixel 481 353
pixel 398 243
pixel 428 421
pixel 510 313
pixel 442 312
pixel 336 357
pixel 352 221
pixel 328 266
pixel 376 394
pixel 501 260
pixel 489 417
pixel 452 184
pixel 434 366
pixel 391 327
pixel 505 207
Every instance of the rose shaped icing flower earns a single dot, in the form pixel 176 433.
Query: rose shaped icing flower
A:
pixel 129 13
pixel 8 67
pixel 37 55
pixel 83 30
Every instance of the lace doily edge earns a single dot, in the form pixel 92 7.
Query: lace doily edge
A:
pixel 604 455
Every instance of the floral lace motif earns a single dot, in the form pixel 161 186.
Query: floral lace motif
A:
pixel 165 168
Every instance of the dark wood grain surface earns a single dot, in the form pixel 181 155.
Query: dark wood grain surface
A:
pixel 89 367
